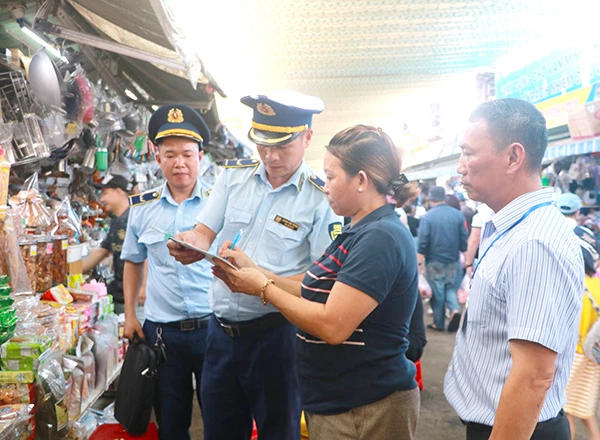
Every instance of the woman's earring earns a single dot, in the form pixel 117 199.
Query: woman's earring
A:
pixel 359 190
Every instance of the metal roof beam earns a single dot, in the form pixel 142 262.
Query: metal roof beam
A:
pixel 101 43
pixel 103 71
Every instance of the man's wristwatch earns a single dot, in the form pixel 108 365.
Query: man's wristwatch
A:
pixel 468 265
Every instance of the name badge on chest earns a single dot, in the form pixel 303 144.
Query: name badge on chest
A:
pixel 287 223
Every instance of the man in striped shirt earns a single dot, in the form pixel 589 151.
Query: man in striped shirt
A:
pixel 514 352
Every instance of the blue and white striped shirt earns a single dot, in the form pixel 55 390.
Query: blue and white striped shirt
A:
pixel 527 287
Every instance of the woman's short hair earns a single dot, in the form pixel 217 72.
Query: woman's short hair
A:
pixel 367 148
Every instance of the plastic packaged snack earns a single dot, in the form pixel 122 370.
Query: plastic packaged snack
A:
pixel 59 266
pixel 31 206
pixel 66 222
pixel 43 270
pixel 28 248
pixel 11 262
pixel 52 419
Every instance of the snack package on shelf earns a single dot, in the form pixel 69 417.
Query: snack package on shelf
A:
pixel 8 318
pixel 22 353
pixel 11 260
pixel 28 248
pixel 44 261
pixel 27 346
pixel 66 222
pixel 30 205
pixel 75 384
pixel 83 352
pixel 52 419
pixel 15 393
pixel 59 294
pixel 17 422
pixel 59 259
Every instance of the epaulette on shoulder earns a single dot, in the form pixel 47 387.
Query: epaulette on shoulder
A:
pixel 316 182
pixel 240 163
pixel 140 199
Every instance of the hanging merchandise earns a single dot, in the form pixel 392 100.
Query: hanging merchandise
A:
pixel 20 108
pixel 45 80
pixel 30 205
pixel 6 135
pixel 86 94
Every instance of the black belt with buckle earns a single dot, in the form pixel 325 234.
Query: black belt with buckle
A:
pixel 241 328
pixel 188 325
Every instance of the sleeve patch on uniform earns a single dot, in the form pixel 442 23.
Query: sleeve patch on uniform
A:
pixel 335 229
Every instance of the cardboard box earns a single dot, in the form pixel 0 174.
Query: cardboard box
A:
pixel 584 121
pixel 75 267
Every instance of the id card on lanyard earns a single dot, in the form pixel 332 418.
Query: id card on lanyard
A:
pixel 525 215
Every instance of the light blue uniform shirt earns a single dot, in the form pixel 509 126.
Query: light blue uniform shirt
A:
pixel 285 229
pixel 173 291
pixel 527 286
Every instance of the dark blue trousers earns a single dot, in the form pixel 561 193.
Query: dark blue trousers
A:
pixel 174 396
pixel 251 376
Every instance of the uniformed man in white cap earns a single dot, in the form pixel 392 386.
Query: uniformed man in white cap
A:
pixel 287 223
pixel 176 308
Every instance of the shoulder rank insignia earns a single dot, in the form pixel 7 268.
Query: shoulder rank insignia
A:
pixel 240 163
pixel 140 199
pixel 316 182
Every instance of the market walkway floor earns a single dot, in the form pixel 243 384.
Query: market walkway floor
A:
pixel 438 421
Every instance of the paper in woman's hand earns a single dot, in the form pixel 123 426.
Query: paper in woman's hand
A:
pixel 207 255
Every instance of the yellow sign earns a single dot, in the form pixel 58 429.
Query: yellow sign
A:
pixel 556 110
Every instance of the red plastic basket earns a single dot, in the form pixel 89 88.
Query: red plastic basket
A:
pixel 113 431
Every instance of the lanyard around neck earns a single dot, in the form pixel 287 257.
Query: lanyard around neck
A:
pixel 529 211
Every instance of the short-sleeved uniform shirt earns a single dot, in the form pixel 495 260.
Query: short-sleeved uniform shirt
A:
pixel 174 291
pixel 285 228
pixel 376 256
pixel 114 244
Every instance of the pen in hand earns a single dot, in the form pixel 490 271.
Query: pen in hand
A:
pixel 236 239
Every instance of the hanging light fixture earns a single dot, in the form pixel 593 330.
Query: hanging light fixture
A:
pixel 38 39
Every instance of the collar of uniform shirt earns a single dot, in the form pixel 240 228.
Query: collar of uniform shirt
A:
pixel 505 218
pixel 261 173
pixel 166 194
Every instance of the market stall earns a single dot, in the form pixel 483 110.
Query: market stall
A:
pixel 64 127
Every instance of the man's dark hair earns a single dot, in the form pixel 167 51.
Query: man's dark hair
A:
pixel 513 120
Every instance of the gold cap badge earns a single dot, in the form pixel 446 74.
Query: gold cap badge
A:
pixel 175 116
pixel 265 109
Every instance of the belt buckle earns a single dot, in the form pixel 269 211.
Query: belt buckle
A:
pixel 188 325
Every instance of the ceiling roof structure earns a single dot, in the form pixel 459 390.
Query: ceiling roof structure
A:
pixel 398 64
pixel 129 22
pixel 376 61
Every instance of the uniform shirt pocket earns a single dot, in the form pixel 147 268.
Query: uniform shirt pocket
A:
pixel 235 219
pixel 156 246
pixel 279 240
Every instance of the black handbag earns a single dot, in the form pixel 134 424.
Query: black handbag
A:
pixel 135 391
